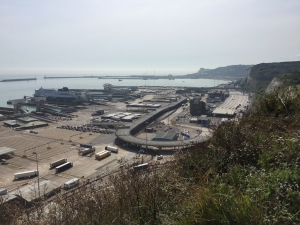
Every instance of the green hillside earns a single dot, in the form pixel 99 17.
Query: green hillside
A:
pixel 233 71
pixel 267 71
pixel 262 74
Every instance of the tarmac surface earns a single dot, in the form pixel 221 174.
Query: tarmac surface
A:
pixel 52 143
pixel 233 104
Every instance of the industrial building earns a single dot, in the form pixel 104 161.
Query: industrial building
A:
pixel 166 136
pixel 197 107
pixel 203 120
pixel 24 123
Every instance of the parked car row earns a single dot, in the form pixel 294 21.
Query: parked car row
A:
pixel 87 129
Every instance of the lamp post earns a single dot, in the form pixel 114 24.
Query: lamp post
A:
pixel 37 168
pixel 146 139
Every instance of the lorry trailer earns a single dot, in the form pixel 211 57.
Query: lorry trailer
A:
pixel 86 151
pixel 63 167
pixel 102 154
pixel 57 163
pixel 85 146
pixel 26 174
pixel 112 149
pixel 71 183
pixel 3 191
pixel 141 166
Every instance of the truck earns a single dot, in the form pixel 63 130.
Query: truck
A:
pixel 3 191
pixel 26 174
pixel 102 154
pixel 57 163
pixel 71 183
pixel 112 149
pixel 34 132
pixel 141 166
pixel 63 167
pixel 85 146
pixel 86 151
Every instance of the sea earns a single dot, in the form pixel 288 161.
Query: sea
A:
pixel 19 89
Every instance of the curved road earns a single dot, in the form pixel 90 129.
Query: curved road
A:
pixel 126 135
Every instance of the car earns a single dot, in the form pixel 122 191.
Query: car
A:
pixel 142 151
pixel 159 157
pixel 3 161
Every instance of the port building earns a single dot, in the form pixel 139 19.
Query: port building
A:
pixel 166 136
pixel 197 107
pixel 24 123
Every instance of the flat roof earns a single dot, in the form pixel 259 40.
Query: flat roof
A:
pixel 33 124
pixel 203 119
pixel 27 119
pixel 224 111
pixel 30 192
pixel 8 197
pixel 165 135
pixel 10 122
pixel 6 150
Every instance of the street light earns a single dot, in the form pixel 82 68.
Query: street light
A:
pixel 146 138
pixel 37 168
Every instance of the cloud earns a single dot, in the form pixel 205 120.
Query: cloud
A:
pixel 298 55
pixel 282 57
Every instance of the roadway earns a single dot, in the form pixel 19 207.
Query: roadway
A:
pixel 126 134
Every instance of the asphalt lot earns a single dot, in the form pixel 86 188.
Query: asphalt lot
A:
pixel 52 143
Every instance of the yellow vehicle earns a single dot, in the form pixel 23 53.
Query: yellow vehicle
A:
pixel 103 154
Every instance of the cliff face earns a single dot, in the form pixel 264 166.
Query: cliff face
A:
pixel 267 71
pixel 261 75
pixel 233 71
pixel 237 71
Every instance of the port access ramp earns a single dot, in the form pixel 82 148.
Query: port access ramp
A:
pixel 126 135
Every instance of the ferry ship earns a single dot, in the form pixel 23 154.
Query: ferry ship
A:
pixel 63 93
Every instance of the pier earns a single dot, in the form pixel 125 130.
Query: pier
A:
pixel 19 79
pixel 45 77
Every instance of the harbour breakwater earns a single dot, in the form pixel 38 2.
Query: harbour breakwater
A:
pixel 19 79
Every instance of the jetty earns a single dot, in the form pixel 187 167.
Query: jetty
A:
pixel 45 77
pixel 19 79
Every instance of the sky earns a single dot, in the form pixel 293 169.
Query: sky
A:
pixel 134 37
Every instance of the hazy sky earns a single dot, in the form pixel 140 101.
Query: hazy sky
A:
pixel 140 36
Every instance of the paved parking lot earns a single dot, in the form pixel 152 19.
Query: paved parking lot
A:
pixel 52 143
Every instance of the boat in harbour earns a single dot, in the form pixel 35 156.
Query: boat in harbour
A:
pixel 51 93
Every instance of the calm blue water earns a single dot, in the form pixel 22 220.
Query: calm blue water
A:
pixel 19 89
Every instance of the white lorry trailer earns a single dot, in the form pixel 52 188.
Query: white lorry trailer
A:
pixel 71 183
pixel 141 166
pixel 3 191
pixel 26 174
pixel 112 149
pixel 57 163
